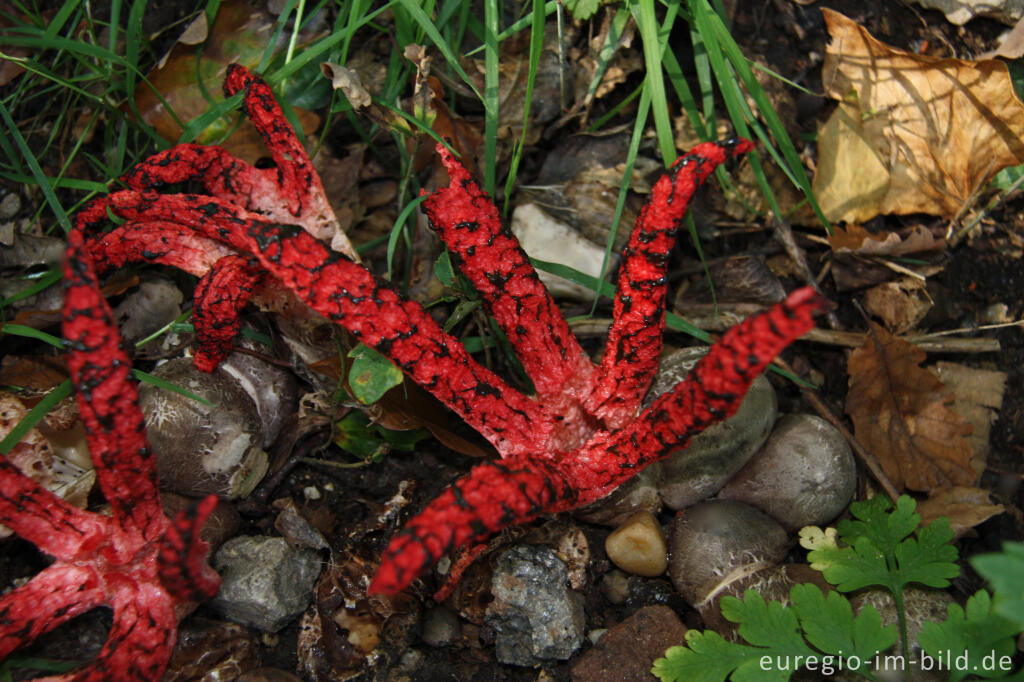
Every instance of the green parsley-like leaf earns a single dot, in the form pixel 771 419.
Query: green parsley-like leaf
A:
pixel 984 636
pixel 1005 573
pixel 780 636
pixel 829 624
pixel 929 560
pixel 880 551
pixel 873 520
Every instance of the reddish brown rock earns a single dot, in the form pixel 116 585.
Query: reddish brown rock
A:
pixel 627 651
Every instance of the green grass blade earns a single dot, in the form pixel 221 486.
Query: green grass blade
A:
pixel 61 391
pixel 37 171
pixel 32 333
pixel 491 76
pixel 536 48
pixel 647 24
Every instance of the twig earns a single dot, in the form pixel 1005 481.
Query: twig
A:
pixel 938 342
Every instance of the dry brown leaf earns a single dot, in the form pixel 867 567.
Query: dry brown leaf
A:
pixel 965 507
pixel 912 134
pixel 900 413
pixel 855 239
pixel 901 304
pixel 348 81
pixel 979 397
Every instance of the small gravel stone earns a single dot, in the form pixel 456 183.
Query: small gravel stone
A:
pixel 615 586
pixel 638 546
pixel 535 616
pixel 627 651
pixel 265 583
pixel 9 206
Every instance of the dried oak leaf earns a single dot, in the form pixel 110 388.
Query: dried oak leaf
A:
pixel 855 239
pixel 900 413
pixel 964 507
pixel 912 134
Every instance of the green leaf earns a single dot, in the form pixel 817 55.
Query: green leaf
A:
pixel 353 434
pixel 582 10
pixel 1005 573
pixel 979 641
pixel 708 658
pixel 443 269
pixel 14 436
pixel 873 521
pixel 781 635
pixel 371 374
pixel 929 560
pixel 829 624
pixel 356 434
pixel 881 552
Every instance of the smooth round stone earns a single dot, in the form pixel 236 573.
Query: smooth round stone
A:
pixel 803 475
pixel 638 546
pixel 713 456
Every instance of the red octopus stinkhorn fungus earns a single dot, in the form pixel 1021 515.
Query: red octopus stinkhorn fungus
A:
pixel 573 442
pixel 141 564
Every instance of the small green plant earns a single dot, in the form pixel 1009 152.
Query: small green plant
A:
pixel 879 547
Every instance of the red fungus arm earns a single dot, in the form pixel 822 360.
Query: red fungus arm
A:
pixel 156 242
pixel 141 638
pixel 182 561
pixel 490 256
pixel 37 515
pixel 635 339
pixel 713 391
pixel 54 596
pixel 108 399
pixel 490 497
pixel 291 192
pixel 349 294
pixel 219 298
pixel 498 494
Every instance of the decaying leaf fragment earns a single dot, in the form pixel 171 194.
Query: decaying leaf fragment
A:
pixel 900 413
pixel 964 507
pixel 912 134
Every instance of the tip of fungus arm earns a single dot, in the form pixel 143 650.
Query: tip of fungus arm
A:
pixel 634 342
pixel 490 256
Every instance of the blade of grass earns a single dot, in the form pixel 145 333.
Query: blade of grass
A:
pixel 491 75
pixel 45 281
pixel 146 378
pixel 37 171
pixel 61 391
pixel 32 333
pixel 536 47
pixel 396 230
pixel 653 44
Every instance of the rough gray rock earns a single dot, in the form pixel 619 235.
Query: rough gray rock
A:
pixel 265 583
pixel 534 613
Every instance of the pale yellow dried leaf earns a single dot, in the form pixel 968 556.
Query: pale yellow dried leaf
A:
pixel 913 134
